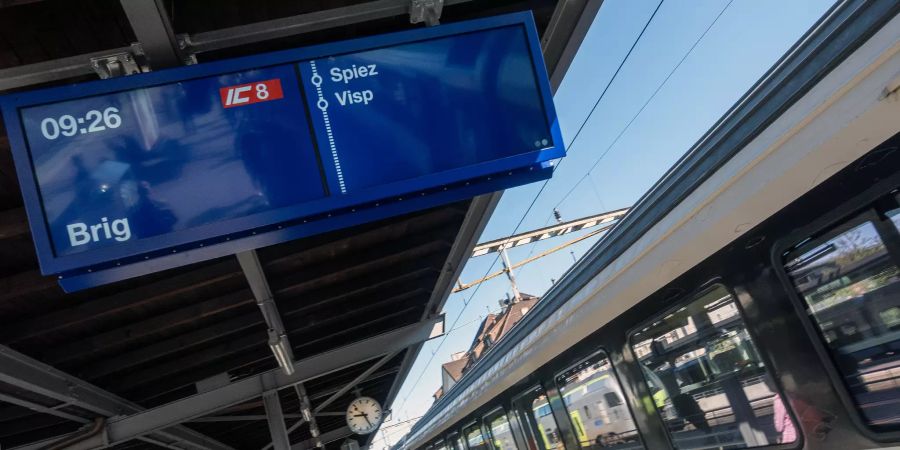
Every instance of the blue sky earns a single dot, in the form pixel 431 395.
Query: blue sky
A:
pixel 747 40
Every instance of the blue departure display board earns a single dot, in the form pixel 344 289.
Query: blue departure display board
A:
pixel 131 175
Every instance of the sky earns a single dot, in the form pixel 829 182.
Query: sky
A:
pixel 744 42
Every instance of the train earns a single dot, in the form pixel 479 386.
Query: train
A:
pixel 750 299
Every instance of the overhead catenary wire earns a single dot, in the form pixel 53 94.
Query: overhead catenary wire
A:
pixel 644 106
pixel 588 174
pixel 534 200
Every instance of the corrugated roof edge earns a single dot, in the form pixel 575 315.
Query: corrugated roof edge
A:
pixel 840 31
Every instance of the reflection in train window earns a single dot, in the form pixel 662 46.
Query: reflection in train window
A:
pixel 501 434
pixel 851 288
pixel 474 439
pixel 595 403
pixel 534 409
pixel 707 379
pixel 454 441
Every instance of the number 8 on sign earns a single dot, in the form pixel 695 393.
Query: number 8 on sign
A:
pixel 250 93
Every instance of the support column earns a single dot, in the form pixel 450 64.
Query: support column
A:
pixel 276 421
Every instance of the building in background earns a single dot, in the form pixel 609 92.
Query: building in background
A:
pixel 491 331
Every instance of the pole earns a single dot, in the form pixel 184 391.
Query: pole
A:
pixel 507 267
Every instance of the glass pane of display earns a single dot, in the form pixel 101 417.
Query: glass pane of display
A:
pixel 851 290
pixel 596 406
pixel 501 433
pixel 707 380
pixel 474 439
pixel 536 413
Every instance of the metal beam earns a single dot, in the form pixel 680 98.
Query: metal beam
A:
pixel 359 379
pixel 328 392
pixel 151 25
pixel 278 338
pixel 305 402
pixel 124 428
pixel 309 417
pixel 80 65
pixel 377 285
pixel 133 331
pixel 34 376
pixel 299 24
pixel 53 70
pixel 41 408
pixel 561 40
pixel 540 234
pixel 250 348
pixel 463 286
pixel 243 418
pixel 330 436
pixel 275 418
pixel 104 307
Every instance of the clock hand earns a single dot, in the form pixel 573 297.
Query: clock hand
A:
pixel 366 416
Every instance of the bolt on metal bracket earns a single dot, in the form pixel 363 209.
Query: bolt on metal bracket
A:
pixel 120 64
pixel 185 45
pixel 428 11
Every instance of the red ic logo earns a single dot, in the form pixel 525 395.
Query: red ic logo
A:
pixel 250 93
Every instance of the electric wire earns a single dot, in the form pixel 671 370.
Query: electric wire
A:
pixel 533 201
pixel 587 175
pixel 644 106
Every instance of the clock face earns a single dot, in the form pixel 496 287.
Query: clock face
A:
pixel 364 415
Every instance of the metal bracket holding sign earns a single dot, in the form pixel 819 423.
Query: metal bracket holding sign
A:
pixel 428 11
pixel 137 174
pixel 120 64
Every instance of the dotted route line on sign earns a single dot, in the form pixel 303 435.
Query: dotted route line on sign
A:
pixel 322 104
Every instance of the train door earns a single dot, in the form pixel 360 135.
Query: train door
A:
pixel 542 432
pixel 474 438
pixel 455 441
pixel 497 425
pixel 596 405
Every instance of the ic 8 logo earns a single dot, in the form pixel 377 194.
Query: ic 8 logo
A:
pixel 250 93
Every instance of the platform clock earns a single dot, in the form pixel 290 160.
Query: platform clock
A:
pixel 364 415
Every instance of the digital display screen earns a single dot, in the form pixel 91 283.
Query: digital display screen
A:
pixel 211 154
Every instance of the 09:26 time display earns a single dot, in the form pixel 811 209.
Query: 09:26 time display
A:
pixel 93 121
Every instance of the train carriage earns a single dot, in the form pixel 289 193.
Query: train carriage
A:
pixel 750 299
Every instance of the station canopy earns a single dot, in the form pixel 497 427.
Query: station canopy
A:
pixel 182 358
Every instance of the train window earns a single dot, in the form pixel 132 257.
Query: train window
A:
pixel 707 380
pixel 501 433
pixel 534 408
pixel 440 446
pixel 596 406
pixel 850 285
pixel 474 438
